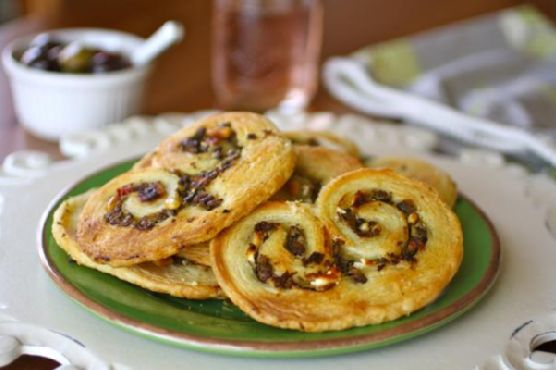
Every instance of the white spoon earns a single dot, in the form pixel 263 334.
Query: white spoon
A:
pixel 168 34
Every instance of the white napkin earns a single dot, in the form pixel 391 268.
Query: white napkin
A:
pixel 500 69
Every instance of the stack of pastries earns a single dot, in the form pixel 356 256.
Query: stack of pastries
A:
pixel 290 226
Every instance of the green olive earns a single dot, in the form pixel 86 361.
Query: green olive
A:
pixel 76 59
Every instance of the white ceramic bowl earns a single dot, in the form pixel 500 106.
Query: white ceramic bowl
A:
pixel 51 105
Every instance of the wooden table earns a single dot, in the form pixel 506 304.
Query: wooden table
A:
pixel 181 80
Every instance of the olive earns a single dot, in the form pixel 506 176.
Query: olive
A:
pixel 45 41
pixel 53 54
pixel 75 59
pixel 49 54
pixel 104 61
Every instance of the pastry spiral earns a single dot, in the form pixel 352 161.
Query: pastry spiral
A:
pixel 315 167
pixel 422 171
pixel 176 276
pixel 325 139
pixel 193 185
pixel 380 246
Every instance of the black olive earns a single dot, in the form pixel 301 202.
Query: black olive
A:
pixel 45 41
pixel 48 53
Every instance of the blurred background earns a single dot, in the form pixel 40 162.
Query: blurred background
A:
pixel 181 80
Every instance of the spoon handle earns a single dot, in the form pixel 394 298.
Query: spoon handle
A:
pixel 168 34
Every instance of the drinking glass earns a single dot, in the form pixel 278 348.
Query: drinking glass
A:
pixel 265 53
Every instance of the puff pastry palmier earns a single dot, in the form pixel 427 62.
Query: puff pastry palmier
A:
pixel 275 265
pixel 390 247
pixel 324 139
pixel 175 276
pixel 315 166
pixel 196 183
pixel 423 171
pixel 247 140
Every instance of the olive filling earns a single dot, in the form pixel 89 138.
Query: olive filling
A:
pixel 295 242
pixel 150 192
pixel 296 245
pixel 359 225
pixel 147 192
pixel 221 141
pixel 417 232
pixel 346 266
pixel 303 188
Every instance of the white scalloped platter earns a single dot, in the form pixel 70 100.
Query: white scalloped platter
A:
pixel 522 208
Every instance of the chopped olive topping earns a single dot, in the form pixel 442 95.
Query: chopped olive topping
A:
pixel 381 195
pixel 303 188
pixel 361 197
pixel 193 186
pixel 192 189
pixel 151 191
pixel 406 206
pixel 145 224
pixel 345 266
pixel 359 225
pixel 419 231
pixel 146 192
pixel 264 227
pixel 381 263
pixel 358 276
pixel 118 217
pixel 265 272
pixel 221 141
pixel 263 268
pixel 394 259
pixel 295 242
pixel 314 258
pixel 195 143
pixel 416 241
pixel 284 280
pixel 251 136
pixel 205 200
pixel 335 250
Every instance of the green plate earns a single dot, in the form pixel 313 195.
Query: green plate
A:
pixel 217 326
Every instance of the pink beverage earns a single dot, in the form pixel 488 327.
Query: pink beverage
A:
pixel 265 53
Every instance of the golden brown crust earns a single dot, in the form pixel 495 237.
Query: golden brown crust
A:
pixel 379 281
pixel 324 139
pixel 198 253
pixel 315 167
pixel 148 161
pixel 262 163
pixel 323 164
pixel 178 278
pixel 422 171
